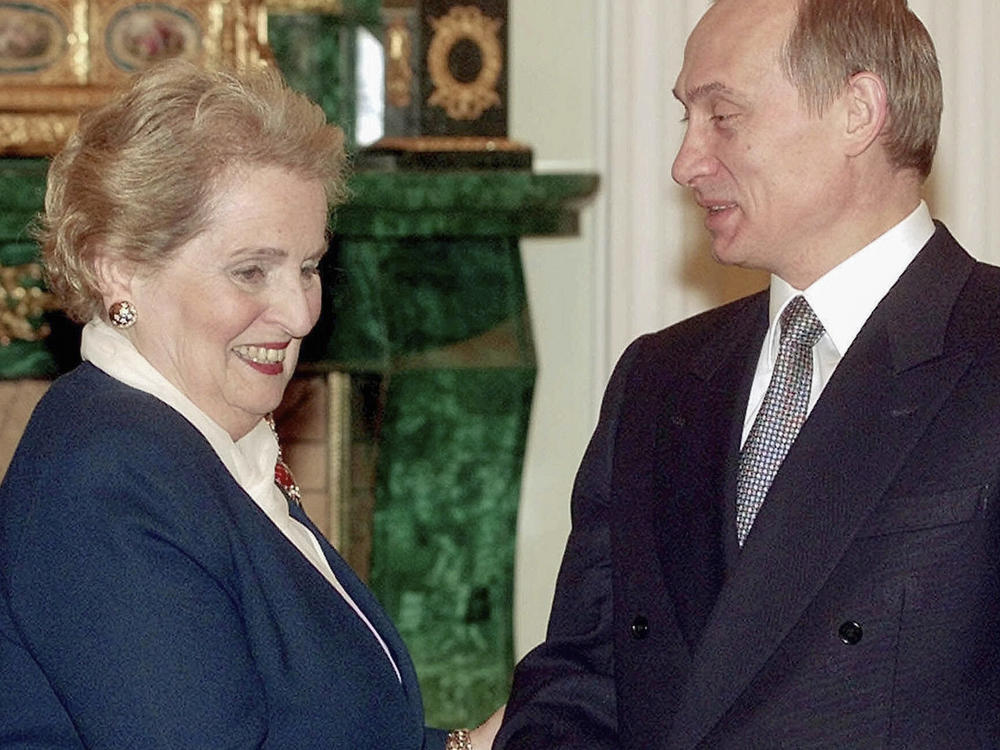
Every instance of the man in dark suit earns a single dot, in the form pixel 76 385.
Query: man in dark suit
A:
pixel 785 528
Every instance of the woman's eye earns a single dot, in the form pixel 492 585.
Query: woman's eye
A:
pixel 249 274
pixel 310 271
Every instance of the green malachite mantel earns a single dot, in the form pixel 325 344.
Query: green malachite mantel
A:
pixel 425 307
pixel 426 294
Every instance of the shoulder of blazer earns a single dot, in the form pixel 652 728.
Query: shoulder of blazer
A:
pixel 96 451
pixel 943 303
pixel 88 412
pixel 703 342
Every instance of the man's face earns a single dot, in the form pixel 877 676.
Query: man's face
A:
pixel 766 170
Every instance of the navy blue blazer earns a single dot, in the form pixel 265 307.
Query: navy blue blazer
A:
pixel 147 602
pixel 863 610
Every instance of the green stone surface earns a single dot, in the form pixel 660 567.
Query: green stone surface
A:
pixel 447 490
pixel 316 54
pixel 393 298
pixel 463 204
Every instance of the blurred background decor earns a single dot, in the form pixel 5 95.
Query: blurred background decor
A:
pixel 57 58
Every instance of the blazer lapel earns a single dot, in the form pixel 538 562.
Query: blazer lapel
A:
pixel 883 394
pixel 376 615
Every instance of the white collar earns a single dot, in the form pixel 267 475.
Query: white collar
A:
pixel 845 297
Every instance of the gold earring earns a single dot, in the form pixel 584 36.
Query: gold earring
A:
pixel 123 314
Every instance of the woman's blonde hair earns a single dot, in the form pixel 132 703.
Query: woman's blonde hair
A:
pixel 138 177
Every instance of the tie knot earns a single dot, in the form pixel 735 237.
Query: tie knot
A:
pixel 799 323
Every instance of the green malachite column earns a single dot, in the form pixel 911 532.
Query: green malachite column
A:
pixel 426 291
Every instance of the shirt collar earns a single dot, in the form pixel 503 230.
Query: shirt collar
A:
pixel 845 297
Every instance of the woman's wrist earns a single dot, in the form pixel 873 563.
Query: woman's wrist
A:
pixel 458 739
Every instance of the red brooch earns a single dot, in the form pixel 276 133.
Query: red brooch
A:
pixel 282 474
pixel 284 479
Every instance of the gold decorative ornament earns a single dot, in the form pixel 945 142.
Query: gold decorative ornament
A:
pixel 57 58
pixel 30 134
pixel 331 7
pixel 398 71
pixel 465 101
pixel 23 302
pixel 439 143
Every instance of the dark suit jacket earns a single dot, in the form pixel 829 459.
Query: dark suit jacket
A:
pixel 864 608
pixel 147 602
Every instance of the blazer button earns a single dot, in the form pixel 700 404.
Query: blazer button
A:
pixel 850 633
pixel 640 627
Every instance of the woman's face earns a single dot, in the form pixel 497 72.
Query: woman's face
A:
pixel 224 319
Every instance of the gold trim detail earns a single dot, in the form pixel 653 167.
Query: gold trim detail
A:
pixel 333 7
pixel 27 99
pixel 465 101
pixel 398 71
pixel 104 41
pixel 28 135
pixel 22 303
pixel 80 43
pixel 439 143
pixel 338 435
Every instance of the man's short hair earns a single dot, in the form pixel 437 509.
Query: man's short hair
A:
pixel 834 39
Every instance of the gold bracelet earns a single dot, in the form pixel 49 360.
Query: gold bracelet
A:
pixel 458 739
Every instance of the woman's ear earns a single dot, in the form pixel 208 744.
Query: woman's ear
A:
pixel 867 111
pixel 114 276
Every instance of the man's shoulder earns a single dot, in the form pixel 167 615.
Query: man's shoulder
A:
pixel 711 330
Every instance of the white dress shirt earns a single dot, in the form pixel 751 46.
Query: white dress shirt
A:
pixel 250 459
pixel 843 300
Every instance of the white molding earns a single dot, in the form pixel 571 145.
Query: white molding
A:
pixel 564 166
pixel 600 217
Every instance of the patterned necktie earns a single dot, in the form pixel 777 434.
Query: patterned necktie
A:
pixel 781 413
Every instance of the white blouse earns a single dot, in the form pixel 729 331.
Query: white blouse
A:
pixel 250 459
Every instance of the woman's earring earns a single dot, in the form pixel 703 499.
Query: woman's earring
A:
pixel 123 314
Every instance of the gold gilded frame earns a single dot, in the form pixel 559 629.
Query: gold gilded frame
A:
pixel 58 57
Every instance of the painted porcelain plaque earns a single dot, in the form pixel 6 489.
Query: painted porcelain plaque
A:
pixel 32 38
pixel 146 33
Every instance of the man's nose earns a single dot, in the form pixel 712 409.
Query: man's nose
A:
pixel 693 160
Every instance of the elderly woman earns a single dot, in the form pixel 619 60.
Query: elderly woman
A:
pixel 159 585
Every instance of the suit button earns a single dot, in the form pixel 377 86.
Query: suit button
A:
pixel 850 633
pixel 640 628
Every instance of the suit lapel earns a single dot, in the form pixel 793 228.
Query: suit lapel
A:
pixel 699 427
pixel 883 394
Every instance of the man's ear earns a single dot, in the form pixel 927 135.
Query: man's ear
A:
pixel 867 111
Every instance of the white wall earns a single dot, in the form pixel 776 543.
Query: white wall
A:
pixel 556 106
pixel 590 85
